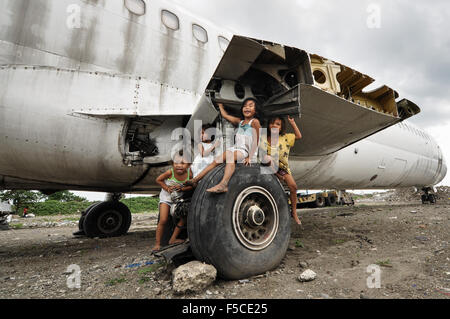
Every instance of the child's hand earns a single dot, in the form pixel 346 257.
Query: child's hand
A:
pixel 247 161
pixel 174 188
pixel 291 120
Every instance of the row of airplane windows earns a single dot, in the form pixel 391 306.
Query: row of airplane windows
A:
pixel 171 21
pixel 415 131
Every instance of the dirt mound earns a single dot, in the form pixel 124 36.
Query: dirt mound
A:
pixel 443 192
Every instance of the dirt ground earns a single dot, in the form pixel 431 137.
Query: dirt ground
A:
pixel 408 241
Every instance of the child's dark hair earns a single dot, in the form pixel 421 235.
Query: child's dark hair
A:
pixel 283 123
pixel 256 106
pixel 206 127
pixel 180 155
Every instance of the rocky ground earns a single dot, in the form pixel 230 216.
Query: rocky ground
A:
pixel 408 241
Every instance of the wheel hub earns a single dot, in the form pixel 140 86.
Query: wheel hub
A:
pixel 109 221
pixel 255 218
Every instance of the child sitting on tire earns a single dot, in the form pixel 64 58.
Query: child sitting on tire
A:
pixel 172 184
pixel 244 150
pixel 285 142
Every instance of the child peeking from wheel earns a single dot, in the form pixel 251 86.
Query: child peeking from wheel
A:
pixel 172 184
pixel 277 127
pixel 244 150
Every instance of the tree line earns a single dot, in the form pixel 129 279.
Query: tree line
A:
pixel 65 202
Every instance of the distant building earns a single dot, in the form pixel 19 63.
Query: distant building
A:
pixel 5 208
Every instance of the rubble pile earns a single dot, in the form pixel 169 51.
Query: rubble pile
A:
pixel 404 195
pixel 411 194
pixel 443 192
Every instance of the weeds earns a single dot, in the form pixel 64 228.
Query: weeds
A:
pixel 298 244
pixel 115 281
pixel 384 263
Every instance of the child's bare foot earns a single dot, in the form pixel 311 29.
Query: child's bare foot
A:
pixel 296 219
pixel 156 248
pixel 176 241
pixel 218 189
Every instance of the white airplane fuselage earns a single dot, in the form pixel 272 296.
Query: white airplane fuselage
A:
pixel 77 77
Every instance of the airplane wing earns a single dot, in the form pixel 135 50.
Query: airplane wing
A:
pixel 325 97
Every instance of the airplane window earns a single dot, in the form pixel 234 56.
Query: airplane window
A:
pixel 223 43
pixel 319 77
pixel 200 33
pixel 170 20
pixel 135 6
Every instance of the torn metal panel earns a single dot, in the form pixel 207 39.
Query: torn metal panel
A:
pixel 205 112
pixel 238 58
pixel 284 104
pixel 329 123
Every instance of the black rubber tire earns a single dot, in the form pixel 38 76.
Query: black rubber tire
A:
pixel 424 199
pixel 320 202
pixel 210 225
pixel 331 201
pixel 83 216
pixel 91 220
pixel 432 198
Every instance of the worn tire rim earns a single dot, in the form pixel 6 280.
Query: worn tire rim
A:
pixel 109 221
pixel 255 218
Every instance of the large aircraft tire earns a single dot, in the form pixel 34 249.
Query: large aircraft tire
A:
pixel 432 198
pixel 243 232
pixel 107 219
pixel 83 216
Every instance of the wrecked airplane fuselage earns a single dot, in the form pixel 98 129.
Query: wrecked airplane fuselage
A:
pixel 92 91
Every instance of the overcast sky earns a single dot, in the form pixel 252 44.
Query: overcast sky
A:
pixel 404 44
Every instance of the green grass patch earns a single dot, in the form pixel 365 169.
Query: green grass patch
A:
pixel 384 263
pixel 144 280
pixel 150 269
pixel 299 244
pixel 339 241
pixel 115 281
pixel 16 226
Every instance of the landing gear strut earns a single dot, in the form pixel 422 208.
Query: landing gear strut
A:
pixel 429 196
pixel 106 219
